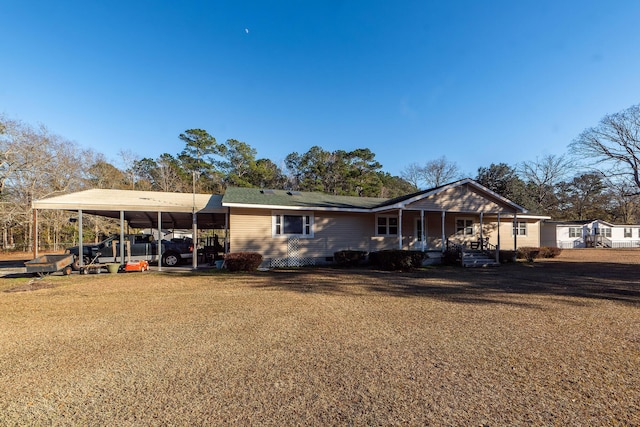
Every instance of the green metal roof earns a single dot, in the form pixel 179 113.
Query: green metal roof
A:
pixel 236 196
pixel 255 197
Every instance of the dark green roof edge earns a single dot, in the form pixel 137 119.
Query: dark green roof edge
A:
pixel 297 199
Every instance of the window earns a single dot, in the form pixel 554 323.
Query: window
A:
pixel 464 227
pixel 603 231
pixel 293 224
pixel 520 229
pixel 628 232
pixel 575 231
pixel 387 225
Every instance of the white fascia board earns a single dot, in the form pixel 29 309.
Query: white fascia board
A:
pixel 523 216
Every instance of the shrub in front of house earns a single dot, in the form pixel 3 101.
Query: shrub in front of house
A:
pixel 451 256
pixel 396 259
pixel 349 258
pixel 529 253
pixel 506 256
pixel 549 252
pixel 242 261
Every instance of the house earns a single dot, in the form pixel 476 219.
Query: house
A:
pixel 303 228
pixel 589 233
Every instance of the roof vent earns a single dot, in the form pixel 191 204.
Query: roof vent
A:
pixel 267 191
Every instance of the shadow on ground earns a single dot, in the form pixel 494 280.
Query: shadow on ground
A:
pixel 598 281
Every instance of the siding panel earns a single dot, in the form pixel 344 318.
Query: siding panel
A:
pixel 459 199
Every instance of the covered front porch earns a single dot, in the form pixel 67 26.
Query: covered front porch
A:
pixel 437 232
pixel 463 215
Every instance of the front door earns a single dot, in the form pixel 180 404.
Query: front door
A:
pixel 419 233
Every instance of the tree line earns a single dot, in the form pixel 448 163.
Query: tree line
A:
pixel 35 163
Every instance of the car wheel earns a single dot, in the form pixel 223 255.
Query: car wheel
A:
pixel 170 259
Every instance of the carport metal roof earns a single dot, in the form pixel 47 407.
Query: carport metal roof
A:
pixel 141 208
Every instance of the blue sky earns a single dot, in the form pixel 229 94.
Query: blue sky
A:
pixel 478 82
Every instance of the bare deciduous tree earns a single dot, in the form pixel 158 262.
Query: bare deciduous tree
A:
pixel 542 175
pixel 625 204
pixel 440 171
pixel 433 174
pixel 614 142
pixel 412 174
pixel 34 163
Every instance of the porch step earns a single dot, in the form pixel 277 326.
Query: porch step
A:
pixel 478 259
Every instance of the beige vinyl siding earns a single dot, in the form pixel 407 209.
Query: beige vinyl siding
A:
pixel 336 231
pixel 250 230
pixel 459 199
pixel 506 234
pixel 341 231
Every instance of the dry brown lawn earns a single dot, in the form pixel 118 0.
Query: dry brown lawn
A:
pixel 550 343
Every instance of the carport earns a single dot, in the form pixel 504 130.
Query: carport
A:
pixel 141 209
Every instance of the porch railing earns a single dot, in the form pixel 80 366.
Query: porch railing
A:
pixel 489 249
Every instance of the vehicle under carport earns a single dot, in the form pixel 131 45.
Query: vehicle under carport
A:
pixel 141 209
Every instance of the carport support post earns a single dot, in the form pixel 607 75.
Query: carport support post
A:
pixel 194 259
pixel 159 244
pixel 122 238
pixel 35 233
pixel 80 240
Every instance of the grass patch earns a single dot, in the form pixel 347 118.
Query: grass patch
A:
pixel 553 342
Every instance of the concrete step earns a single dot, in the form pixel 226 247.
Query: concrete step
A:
pixel 478 259
pixel 480 262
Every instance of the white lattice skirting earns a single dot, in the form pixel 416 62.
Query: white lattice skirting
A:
pixel 293 258
pixel 292 262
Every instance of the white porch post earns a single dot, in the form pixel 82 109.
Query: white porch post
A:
pixel 400 229
pixel 444 245
pixel 498 245
pixel 481 242
pixel 515 235
pixel 422 232
pixel 159 244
